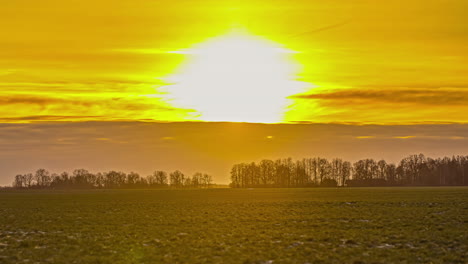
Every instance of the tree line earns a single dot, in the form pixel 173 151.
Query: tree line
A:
pixel 414 170
pixel 83 179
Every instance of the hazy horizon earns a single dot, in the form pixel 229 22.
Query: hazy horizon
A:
pixel 210 147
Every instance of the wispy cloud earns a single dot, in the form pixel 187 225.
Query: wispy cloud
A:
pixel 431 96
pixel 382 105
pixel 364 137
pixel 405 137
pixel 23 108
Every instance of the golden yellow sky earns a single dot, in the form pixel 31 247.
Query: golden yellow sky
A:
pixel 386 62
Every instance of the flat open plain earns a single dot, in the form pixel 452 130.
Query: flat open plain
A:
pixel 323 225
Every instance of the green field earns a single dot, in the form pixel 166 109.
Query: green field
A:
pixel 335 225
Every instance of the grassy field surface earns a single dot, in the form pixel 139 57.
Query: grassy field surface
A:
pixel 329 225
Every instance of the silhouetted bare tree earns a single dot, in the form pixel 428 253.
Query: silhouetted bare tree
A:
pixel 411 171
pixel 81 179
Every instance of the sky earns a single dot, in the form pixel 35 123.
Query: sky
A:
pixel 397 65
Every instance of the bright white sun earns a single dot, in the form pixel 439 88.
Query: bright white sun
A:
pixel 237 78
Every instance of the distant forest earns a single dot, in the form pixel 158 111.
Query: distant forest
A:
pixel 414 170
pixel 83 179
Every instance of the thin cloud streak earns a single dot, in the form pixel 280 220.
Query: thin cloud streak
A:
pixel 441 96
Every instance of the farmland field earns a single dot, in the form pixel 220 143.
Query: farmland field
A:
pixel 326 225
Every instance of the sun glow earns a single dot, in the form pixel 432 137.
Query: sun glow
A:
pixel 236 77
